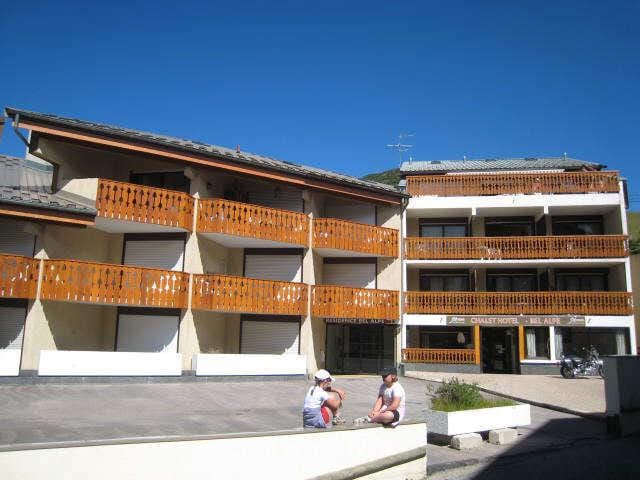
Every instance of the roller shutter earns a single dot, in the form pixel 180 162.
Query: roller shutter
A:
pixel 275 196
pixel 361 213
pixel 148 333
pixel 360 275
pixel 15 242
pixel 164 254
pixel 273 338
pixel 286 268
pixel 12 327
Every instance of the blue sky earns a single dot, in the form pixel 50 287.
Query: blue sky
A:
pixel 332 83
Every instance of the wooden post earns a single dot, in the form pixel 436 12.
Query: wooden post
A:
pixel 521 341
pixel 476 342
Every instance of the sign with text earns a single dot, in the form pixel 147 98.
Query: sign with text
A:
pixel 515 320
pixel 357 321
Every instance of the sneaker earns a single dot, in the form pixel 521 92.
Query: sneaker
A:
pixel 361 420
pixel 338 420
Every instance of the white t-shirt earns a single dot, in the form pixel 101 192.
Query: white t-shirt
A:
pixel 389 393
pixel 315 398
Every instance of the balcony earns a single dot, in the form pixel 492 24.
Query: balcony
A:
pixel 515 303
pixel 18 276
pixel 516 248
pixel 225 293
pixel 98 283
pixel 331 301
pixel 130 208
pixel 513 183
pixel 338 238
pixel 439 355
pixel 241 225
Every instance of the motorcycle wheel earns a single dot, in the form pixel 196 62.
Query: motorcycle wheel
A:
pixel 566 372
pixel 601 371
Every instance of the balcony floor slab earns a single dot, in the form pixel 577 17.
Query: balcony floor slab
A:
pixel 112 225
pixel 235 241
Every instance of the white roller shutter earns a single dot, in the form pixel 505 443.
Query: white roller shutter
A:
pixel 360 275
pixel 148 333
pixel 165 254
pixel 15 242
pixel 274 196
pixel 273 338
pixel 286 268
pixel 354 212
pixel 12 327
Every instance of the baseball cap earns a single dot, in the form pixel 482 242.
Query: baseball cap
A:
pixel 322 374
pixel 388 371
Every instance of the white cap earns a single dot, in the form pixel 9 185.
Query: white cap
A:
pixel 323 375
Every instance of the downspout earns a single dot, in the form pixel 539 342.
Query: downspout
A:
pixel 403 206
pixel 31 150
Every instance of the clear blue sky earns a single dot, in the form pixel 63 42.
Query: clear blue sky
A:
pixel 331 83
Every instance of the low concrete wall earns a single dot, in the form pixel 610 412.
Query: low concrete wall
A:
pixel 62 362
pixel 10 362
pixel 441 367
pixel 539 369
pixel 622 393
pixel 332 454
pixel 245 364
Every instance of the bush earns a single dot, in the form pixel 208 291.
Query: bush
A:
pixel 454 395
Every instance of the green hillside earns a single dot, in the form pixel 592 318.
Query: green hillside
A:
pixel 390 177
pixel 633 224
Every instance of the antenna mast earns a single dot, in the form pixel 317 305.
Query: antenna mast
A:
pixel 401 147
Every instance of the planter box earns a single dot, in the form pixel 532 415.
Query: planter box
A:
pixel 480 420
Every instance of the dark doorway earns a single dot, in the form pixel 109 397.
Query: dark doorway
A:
pixel 359 348
pixel 499 350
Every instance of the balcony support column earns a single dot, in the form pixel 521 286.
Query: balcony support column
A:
pixel 521 342
pixel 476 342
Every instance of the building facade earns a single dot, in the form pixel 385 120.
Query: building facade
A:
pixel 508 264
pixel 128 253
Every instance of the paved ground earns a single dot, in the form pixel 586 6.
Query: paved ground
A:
pixel 583 395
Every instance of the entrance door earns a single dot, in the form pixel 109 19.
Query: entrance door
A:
pixel 499 350
pixel 359 348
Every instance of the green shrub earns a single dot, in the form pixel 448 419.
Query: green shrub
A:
pixel 454 395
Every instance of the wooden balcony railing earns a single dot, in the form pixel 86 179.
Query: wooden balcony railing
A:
pixel 513 183
pixel 503 248
pixel 514 303
pixel 225 293
pixel 138 203
pixel 332 301
pixel 18 276
pixel 438 355
pixel 356 237
pixel 87 282
pixel 245 220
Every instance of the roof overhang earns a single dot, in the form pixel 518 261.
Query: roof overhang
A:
pixel 123 143
pixel 17 210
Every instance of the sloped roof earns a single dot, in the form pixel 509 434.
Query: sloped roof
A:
pixel 206 149
pixel 28 183
pixel 498 164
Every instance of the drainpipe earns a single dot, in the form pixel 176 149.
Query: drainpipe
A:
pixel 31 150
pixel 403 328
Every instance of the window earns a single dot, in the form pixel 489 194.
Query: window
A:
pixel 512 281
pixel 169 180
pixel 577 225
pixel 582 281
pixel 608 341
pixel 438 228
pixel 509 227
pixel 439 337
pixel 537 342
pixel 438 281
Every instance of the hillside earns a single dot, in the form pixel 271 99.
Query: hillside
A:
pixel 389 177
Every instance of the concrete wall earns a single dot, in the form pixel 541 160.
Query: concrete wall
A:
pixel 622 394
pixel 75 243
pixel 635 274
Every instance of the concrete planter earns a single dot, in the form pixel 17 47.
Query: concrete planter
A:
pixel 480 420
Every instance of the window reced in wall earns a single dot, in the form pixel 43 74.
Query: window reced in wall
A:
pixel 608 341
pixel 577 225
pixel 537 343
pixel 582 281
pixel 509 227
pixel 438 281
pixel 439 337
pixel 439 228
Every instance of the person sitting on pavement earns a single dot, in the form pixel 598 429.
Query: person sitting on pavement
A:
pixel 389 407
pixel 322 403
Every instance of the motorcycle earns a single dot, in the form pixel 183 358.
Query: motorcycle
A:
pixel 573 365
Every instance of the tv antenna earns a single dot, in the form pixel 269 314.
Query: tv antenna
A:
pixel 401 147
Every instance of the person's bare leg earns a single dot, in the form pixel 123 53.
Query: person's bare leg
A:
pixel 383 417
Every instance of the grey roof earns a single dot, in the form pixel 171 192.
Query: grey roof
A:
pixel 207 149
pixel 28 183
pixel 489 164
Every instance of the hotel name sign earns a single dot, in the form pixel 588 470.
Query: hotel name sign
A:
pixel 516 320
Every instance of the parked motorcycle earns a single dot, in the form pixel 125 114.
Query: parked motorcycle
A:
pixel 573 365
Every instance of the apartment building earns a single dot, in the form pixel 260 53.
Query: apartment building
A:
pixel 508 264
pixel 130 253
